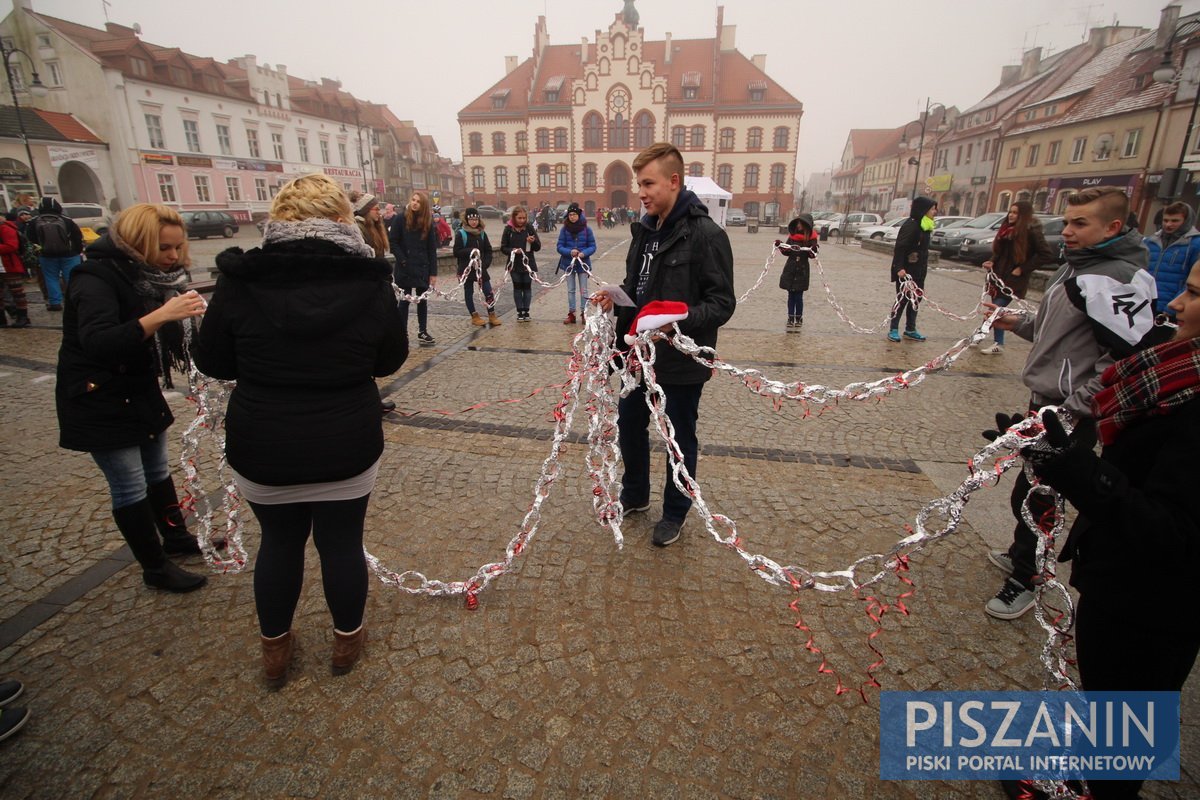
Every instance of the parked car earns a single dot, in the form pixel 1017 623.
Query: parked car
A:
pixel 829 223
pixel 977 246
pixel 735 217
pixel 202 224
pixel 88 215
pixel 947 241
pixel 891 234
pixel 487 211
pixel 877 232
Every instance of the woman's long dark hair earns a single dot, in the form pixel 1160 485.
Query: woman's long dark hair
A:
pixel 420 220
pixel 1020 236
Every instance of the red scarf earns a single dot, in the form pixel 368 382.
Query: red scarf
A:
pixel 1150 383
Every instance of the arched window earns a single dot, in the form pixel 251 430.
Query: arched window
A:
pixel 475 141
pixel 501 178
pixel 679 136
pixel 697 137
pixel 751 209
pixel 543 176
pixel 725 176
pixel 695 169
pixel 477 178
pixel 522 178
pixel 593 131
pixel 589 176
pixel 754 139
pixel 522 141
pixel 782 135
pixel 560 138
pixel 643 130
pixel 561 176
pixel 752 176
pixel 1004 201
pixel 726 138
pixel 498 144
pixel 778 175
pixel 542 139
pixel 618 133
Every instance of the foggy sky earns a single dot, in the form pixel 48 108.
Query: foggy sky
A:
pixel 853 63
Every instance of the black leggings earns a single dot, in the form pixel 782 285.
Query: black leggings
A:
pixel 337 531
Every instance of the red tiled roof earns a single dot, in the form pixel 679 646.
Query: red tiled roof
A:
pixel 68 126
pixel 870 142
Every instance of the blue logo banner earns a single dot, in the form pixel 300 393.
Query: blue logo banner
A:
pixel 950 736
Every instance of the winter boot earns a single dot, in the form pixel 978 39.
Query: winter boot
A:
pixel 169 519
pixel 276 655
pixel 136 523
pixel 347 647
pixel 493 320
pixel 477 320
pixel 22 319
pixel 570 320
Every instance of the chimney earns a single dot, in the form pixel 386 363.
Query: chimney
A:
pixel 248 62
pixel 1166 26
pixel 760 60
pixel 1030 60
pixel 510 63
pixel 728 34
pixel 668 47
pixel 281 69
pixel 1009 74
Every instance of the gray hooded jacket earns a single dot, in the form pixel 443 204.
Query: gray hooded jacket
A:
pixel 1098 308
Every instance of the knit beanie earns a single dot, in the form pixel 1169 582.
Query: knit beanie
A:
pixel 364 204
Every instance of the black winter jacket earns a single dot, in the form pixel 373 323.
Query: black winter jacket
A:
pixel 416 258
pixel 303 328
pixel 1137 537
pixel 912 240
pixel 694 265
pixel 107 394
pixel 513 239
pixel 466 240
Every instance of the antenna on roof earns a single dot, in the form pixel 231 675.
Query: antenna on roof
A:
pixel 104 4
pixel 1087 18
pixel 1025 43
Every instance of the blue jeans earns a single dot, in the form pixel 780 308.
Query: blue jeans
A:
pixel 522 298
pixel 580 279
pixel 633 418
pixel 1002 300
pixel 130 470
pixel 795 304
pixel 488 297
pixel 56 269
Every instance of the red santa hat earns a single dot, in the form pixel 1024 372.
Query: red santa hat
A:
pixel 656 314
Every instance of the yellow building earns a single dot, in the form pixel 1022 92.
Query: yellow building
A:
pixel 566 124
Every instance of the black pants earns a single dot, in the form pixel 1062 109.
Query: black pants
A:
pixel 422 309
pixel 337 531
pixel 1119 652
pixel 1023 550
pixel 633 417
pixel 907 309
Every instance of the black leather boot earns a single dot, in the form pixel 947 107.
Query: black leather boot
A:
pixel 164 501
pixel 136 523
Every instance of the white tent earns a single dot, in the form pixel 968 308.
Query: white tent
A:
pixel 717 199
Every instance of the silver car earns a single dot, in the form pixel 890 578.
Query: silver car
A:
pixel 948 241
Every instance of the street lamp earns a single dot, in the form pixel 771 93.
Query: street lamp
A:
pixel 941 129
pixel 37 89
pixel 1173 179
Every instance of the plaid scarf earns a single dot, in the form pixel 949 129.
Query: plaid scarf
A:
pixel 1152 382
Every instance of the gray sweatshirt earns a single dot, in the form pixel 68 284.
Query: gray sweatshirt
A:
pixel 1098 308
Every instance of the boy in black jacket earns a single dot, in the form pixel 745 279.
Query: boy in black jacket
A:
pixel 677 254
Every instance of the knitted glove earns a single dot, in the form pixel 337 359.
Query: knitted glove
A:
pixel 1003 423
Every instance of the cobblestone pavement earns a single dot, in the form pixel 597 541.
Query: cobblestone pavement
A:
pixel 586 672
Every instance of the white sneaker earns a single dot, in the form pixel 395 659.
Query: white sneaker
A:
pixel 1011 601
pixel 992 350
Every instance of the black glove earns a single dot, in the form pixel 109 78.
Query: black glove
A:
pixel 1053 444
pixel 1069 465
pixel 1003 423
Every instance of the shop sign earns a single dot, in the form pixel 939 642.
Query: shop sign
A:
pixel 165 159
pixel 61 155
pixel 194 161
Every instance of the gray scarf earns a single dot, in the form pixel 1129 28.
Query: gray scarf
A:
pixel 347 236
pixel 157 287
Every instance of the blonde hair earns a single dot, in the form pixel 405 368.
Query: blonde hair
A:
pixel 139 226
pixel 314 195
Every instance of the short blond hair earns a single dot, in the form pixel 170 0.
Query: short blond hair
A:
pixel 667 153
pixel 314 195
pixel 139 226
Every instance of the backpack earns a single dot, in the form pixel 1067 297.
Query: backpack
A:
pixel 463 231
pixel 54 235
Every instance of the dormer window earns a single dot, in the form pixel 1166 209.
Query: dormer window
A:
pixel 691 85
pixel 553 87
pixel 139 66
pixel 758 91
pixel 179 76
pixel 500 98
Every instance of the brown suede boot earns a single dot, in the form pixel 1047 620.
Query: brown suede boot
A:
pixel 277 654
pixel 477 320
pixel 347 647
pixel 493 320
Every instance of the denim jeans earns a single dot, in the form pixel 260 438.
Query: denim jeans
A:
pixel 795 304
pixel 56 269
pixel 521 298
pixel 633 418
pixel 1002 300
pixel 488 297
pixel 130 470
pixel 580 279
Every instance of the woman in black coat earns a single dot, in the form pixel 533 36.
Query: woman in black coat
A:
pixel 794 277
pixel 520 235
pixel 1135 547
pixel 413 239
pixel 911 259
pixel 305 324
pixel 125 305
